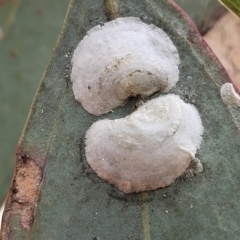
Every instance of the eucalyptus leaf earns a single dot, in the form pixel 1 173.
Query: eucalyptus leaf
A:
pixel 56 195
pixel 11 19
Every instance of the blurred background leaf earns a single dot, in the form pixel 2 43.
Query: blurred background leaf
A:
pixel 224 40
pixel 232 5
pixel 28 32
pixel 204 13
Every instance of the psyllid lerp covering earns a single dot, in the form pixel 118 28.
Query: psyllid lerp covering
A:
pixel 154 145
pixel 120 59
pixel 148 149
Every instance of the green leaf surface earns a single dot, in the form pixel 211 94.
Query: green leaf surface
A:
pixel 56 195
pixel 28 32
pixel 37 24
pixel 232 5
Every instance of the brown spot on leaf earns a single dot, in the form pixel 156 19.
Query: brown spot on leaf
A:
pixel 111 9
pixel 23 195
pixel 39 11
pixel 13 52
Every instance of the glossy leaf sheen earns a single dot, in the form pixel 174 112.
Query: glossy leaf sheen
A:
pixel 74 203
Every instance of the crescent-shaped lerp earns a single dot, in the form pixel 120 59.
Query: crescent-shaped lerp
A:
pixel 122 58
pixel 148 149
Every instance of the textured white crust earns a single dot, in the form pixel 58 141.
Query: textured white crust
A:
pixel 148 149
pixel 123 58
pixel 229 95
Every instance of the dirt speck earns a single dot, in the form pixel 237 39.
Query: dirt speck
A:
pixel 13 53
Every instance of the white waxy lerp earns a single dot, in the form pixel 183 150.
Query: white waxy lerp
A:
pixel 229 95
pixel 148 149
pixel 120 59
